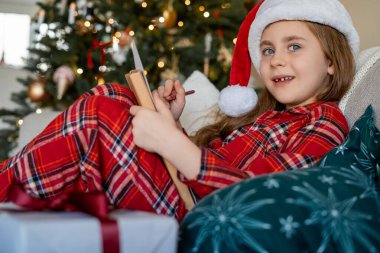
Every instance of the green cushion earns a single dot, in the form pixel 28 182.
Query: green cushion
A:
pixel 360 150
pixel 331 208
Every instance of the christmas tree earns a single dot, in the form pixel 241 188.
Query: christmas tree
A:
pixel 80 44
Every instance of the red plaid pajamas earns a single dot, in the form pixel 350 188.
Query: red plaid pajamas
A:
pixel 277 141
pixel 89 147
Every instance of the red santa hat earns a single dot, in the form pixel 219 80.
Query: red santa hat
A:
pixel 238 99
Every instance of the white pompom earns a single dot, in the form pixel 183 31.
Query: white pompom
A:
pixel 236 100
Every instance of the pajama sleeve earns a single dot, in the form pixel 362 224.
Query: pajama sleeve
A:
pixel 240 159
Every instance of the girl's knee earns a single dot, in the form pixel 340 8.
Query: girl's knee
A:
pixel 118 92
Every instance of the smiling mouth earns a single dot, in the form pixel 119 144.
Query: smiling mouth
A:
pixel 283 79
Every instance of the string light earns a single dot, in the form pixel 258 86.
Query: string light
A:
pixel 180 23
pixel 131 33
pixel 201 8
pixel 117 34
pixel 161 20
pixel 144 4
pixel 206 14
pixel 161 64
pixel 234 41
pixel 38 111
pixel 87 23
pixel 80 71
pixel 151 27
pixel 108 29
pixel 187 2
pixel 111 21
pixel 20 122
pixel 102 68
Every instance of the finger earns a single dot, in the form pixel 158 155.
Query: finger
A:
pixel 169 86
pixel 135 109
pixel 160 91
pixel 179 88
pixel 160 105
pixel 180 97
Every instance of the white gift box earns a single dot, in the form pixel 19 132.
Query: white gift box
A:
pixel 64 232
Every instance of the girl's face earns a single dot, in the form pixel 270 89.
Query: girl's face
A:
pixel 293 66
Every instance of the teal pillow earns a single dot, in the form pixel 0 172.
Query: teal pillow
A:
pixel 331 208
pixel 360 150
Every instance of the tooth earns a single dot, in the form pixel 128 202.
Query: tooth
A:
pixel 282 79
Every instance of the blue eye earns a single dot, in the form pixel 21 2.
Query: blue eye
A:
pixel 294 47
pixel 268 51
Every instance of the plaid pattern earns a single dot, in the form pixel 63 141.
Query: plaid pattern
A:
pixel 89 147
pixel 277 141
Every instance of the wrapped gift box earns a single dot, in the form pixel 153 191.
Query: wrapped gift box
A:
pixel 64 232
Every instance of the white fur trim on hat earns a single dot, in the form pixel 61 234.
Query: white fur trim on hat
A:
pixel 328 12
pixel 236 100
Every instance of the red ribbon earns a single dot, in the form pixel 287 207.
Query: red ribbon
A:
pixel 101 46
pixel 93 203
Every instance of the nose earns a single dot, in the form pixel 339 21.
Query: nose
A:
pixel 278 59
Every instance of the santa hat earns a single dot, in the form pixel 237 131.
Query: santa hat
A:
pixel 238 99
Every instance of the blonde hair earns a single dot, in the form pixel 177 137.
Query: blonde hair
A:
pixel 335 47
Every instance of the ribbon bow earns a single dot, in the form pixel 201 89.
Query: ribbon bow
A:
pixel 101 46
pixel 93 203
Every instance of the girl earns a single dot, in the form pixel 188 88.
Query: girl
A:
pixel 103 142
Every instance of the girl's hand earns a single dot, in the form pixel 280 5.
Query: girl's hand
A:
pixel 157 132
pixel 152 130
pixel 174 105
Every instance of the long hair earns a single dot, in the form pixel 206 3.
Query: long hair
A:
pixel 335 47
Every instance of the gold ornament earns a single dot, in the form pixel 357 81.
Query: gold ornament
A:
pixel 101 80
pixel 36 91
pixel 170 16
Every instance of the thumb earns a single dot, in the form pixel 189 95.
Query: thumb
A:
pixel 135 109
pixel 160 105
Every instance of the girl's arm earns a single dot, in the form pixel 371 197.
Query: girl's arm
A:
pixel 245 157
pixel 157 132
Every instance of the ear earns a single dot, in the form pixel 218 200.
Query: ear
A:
pixel 330 68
